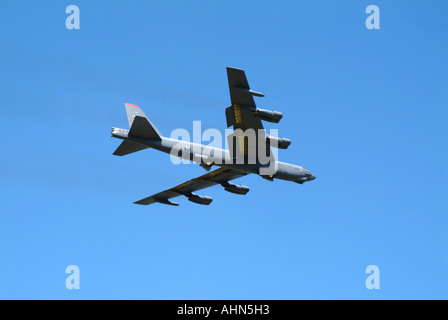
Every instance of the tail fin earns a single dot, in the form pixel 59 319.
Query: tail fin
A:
pixel 139 124
pixel 140 127
pixel 127 147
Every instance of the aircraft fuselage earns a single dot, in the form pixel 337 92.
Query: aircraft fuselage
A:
pixel 207 156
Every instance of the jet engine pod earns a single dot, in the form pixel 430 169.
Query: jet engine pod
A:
pixel 282 143
pixel 205 200
pixel 268 115
pixel 233 188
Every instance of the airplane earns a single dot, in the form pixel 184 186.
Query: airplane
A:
pixel 244 116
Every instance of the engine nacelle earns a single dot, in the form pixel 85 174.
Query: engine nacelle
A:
pixel 200 199
pixel 268 115
pixel 233 188
pixel 282 143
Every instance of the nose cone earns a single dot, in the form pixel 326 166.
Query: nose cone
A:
pixel 308 176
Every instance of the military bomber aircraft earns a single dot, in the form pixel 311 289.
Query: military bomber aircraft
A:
pixel 234 163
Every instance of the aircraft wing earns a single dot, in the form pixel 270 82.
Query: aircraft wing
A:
pixel 241 113
pixel 219 176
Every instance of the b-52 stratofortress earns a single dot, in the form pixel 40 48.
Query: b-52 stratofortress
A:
pixel 244 116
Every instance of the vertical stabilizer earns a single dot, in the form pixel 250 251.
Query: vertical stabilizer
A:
pixel 140 125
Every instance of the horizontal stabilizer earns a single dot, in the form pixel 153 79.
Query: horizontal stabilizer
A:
pixel 142 128
pixel 127 147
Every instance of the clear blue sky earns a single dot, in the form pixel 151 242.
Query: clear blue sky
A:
pixel 366 111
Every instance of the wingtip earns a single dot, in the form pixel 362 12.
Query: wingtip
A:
pixel 234 69
pixel 144 203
